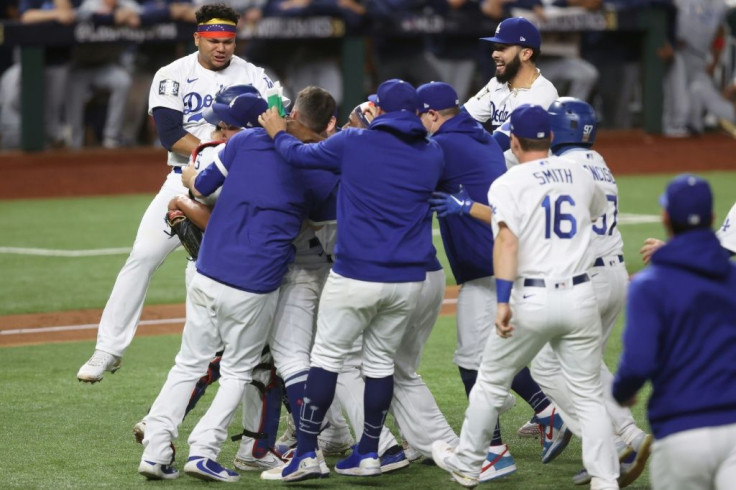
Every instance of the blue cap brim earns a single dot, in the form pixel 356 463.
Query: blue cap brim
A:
pixel 222 111
pixel 209 115
pixel 494 40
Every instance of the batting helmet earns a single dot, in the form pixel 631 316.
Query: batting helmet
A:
pixel 225 96
pixel 573 122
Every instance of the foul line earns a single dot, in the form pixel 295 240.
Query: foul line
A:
pixel 49 252
pixel 92 326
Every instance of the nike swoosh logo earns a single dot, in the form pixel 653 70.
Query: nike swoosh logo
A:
pixel 201 466
pixel 192 80
pixel 551 430
pixel 525 296
pixel 456 199
pixel 495 460
pixel 593 275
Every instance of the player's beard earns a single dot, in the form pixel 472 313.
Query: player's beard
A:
pixel 510 70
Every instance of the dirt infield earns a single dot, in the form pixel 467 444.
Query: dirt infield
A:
pixel 104 172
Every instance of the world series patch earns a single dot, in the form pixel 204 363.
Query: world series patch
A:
pixel 168 87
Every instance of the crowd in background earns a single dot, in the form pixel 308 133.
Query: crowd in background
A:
pixel 98 97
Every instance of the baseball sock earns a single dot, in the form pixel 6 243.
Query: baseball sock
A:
pixel 497 440
pixel 529 390
pixel 468 376
pixel 295 386
pixel 376 402
pixel 318 395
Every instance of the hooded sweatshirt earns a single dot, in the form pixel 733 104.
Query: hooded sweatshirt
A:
pixel 387 175
pixel 681 334
pixel 474 160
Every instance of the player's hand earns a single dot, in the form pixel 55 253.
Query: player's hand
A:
pixel 651 245
pixel 451 204
pixel 503 319
pixel 188 174
pixel 301 132
pixel 272 122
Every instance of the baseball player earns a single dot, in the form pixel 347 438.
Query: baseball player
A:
pixel 574 127
pixel 232 298
pixel 542 214
pixel 179 94
pixel 680 334
pixel 726 234
pixel 516 48
pixel 380 264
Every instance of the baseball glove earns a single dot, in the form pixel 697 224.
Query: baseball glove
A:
pixel 189 235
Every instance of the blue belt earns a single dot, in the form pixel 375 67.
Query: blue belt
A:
pixel 177 170
pixel 539 283
pixel 600 263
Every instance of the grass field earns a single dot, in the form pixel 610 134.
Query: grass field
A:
pixel 57 433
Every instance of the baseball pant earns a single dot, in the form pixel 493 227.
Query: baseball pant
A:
pixel 216 315
pixel 541 315
pixel 476 311
pixel 578 73
pixel 696 459
pixel 416 412
pixel 152 245
pixel 705 97
pixel 610 282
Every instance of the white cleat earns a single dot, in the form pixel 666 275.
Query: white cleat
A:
pixel 248 462
pixel 335 443
pixel 275 474
pixel 93 370
pixel 157 471
pixel 443 455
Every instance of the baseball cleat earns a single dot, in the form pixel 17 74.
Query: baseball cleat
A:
pixel 411 454
pixel 139 431
pixel 444 456
pixel 248 462
pixel 554 435
pixel 335 446
pixel 632 467
pixel 209 470
pixel 157 471
pixel 275 474
pixel 301 467
pixel 93 370
pixel 625 453
pixel 530 429
pixel 393 459
pixel 358 464
pixel 498 463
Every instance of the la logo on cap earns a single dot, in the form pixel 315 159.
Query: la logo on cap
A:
pixel 522 38
pixel 498 29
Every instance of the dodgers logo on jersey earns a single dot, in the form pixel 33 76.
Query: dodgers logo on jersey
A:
pixel 194 103
pixel 168 87
pixel 498 115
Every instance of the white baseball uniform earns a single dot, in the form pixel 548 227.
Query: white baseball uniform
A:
pixel 610 281
pixel 496 101
pixel 547 204
pixel 727 232
pixel 188 87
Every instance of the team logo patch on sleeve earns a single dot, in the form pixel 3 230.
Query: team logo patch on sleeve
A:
pixel 168 87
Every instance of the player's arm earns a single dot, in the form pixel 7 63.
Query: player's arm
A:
pixel 505 252
pixel 198 213
pixel 213 175
pixel 459 204
pixel 171 131
pixel 638 361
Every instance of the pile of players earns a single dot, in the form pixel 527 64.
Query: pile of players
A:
pixel 317 265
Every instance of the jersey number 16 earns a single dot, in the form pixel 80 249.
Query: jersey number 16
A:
pixel 554 217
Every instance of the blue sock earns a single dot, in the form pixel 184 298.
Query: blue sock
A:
pixel 468 376
pixel 295 392
pixel 529 390
pixel 496 440
pixel 318 395
pixel 376 402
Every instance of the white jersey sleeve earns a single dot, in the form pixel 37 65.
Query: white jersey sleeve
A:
pixel 207 156
pixel 727 232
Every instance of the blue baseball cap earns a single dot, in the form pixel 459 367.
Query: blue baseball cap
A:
pixel 396 95
pixel 436 96
pixel 516 30
pixel 530 121
pixel 225 96
pixel 242 111
pixel 688 201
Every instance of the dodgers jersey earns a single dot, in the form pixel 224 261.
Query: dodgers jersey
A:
pixel 727 232
pixel 606 238
pixel 544 202
pixel 496 101
pixel 188 87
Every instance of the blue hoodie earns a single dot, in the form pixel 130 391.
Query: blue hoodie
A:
pixel 681 334
pixel 473 159
pixel 388 173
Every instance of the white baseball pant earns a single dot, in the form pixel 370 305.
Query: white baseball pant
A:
pixel 697 459
pixel 152 245
pixel 216 314
pixel 566 316
pixel 610 282
pixel 476 311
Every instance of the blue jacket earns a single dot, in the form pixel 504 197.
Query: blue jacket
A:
pixel 248 243
pixel 681 334
pixel 473 159
pixel 387 175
